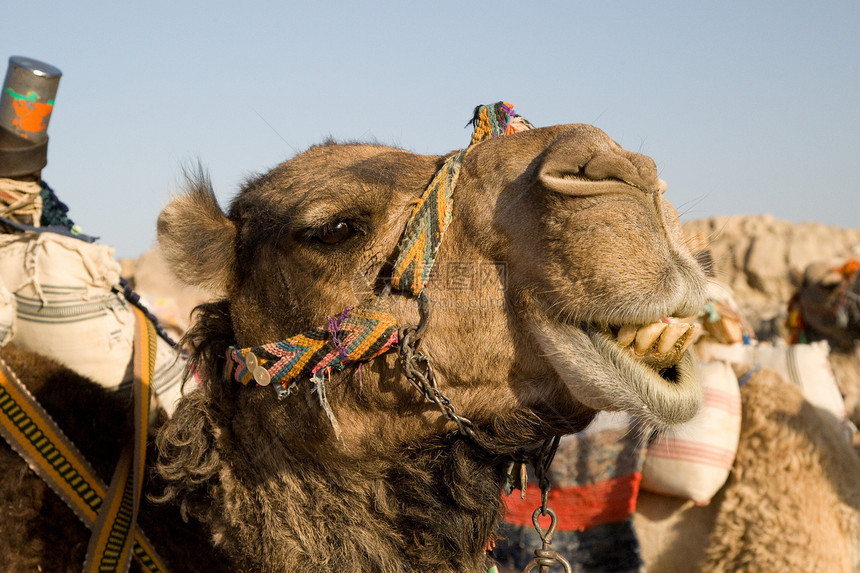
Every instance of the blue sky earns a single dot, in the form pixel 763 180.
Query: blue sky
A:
pixel 747 107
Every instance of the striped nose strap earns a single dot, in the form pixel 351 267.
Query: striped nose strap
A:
pixel 359 334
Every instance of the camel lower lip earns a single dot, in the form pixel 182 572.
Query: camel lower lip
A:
pixel 604 376
pixel 674 391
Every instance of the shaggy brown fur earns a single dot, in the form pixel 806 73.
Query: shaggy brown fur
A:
pixel 558 237
pixel 38 532
pixel 792 501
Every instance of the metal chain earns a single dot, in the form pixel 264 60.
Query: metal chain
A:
pixel 419 371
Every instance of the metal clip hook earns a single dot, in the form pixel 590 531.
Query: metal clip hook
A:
pixel 546 557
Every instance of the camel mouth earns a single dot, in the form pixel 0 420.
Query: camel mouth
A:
pixel 651 375
pixel 659 345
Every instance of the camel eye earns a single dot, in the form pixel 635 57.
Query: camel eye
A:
pixel 336 233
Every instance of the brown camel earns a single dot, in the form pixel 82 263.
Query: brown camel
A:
pixel 827 307
pixel 791 503
pixel 558 239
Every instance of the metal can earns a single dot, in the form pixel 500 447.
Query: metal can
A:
pixel 28 98
pixel 26 103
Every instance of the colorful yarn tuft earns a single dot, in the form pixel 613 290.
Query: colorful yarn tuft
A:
pixel 55 212
pixel 496 120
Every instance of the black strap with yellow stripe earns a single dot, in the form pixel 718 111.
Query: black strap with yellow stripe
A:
pixel 110 512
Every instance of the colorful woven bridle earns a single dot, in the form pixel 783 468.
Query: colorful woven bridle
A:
pixel 368 330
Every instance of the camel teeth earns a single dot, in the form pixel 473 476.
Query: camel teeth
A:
pixel 647 335
pixel 692 334
pixel 626 335
pixel 670 336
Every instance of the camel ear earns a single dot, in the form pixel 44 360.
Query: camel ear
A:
pixel 585 161
pixel 197 239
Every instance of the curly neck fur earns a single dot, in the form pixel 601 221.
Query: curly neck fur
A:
pixel 280 493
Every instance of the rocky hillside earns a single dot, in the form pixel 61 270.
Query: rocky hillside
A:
pixel 763 259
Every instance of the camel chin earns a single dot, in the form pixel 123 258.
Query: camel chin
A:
pixel 654 380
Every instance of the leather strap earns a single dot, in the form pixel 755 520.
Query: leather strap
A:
pixel 110 512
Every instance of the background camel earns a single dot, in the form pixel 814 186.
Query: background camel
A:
pixel 827 307
pixel 792 501
pixel 558 239
pixel 38 532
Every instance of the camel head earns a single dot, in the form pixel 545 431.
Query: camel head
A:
pixel 829 302
pixel 556 290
